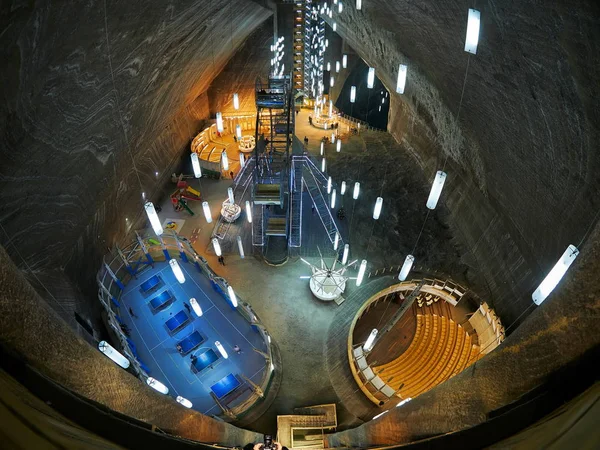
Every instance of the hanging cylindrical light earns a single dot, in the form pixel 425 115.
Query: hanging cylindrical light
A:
pixel 328 67
pixel 343 187
pixel 216 246
pixel 555 275
pixel 242 160
pixel 370 340
pixel 359 4
pixel 230 195
pixel 225 160
pixel 333 138
pixel 236 101
pixel 377 209
pixel 238 131
pixel 248 211
pixel 361 272
pixel 346 253
pixel 322 147
pixel 240 247
pixel 408 263
pixel 371 78
pixel 184 401
pixel 345 61
pixel 340 7
pixel 436 189
pixel 323 165
pixel 330 107
pixel 232 296
pixel 219 122
pixel 177 270
pixel 338 145
pixel 157 385
pixel 153 217
pixel 206 210
pixel 333 195
pixel 196 307
pixel 331 81
pixel 356 190
pixel 329 185
pixel 352 94
pixel 196 165
pixel 336 240
pixel 113 354
pixel 221 350
pixel 472 38
pixel 401 79
pixel 337 66
pixel 334 27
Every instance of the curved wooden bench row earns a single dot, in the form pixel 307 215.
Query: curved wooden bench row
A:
pixel 440 349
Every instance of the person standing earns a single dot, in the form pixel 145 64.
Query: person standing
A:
pixel 237 349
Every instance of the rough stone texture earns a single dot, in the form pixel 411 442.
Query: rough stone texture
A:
pixel 97 98
pixel 239 75
pixel 558 332
pixel 522 162
pixel 58 353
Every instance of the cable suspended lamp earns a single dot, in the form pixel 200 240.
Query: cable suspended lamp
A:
pixel 206 210
pixel 196 165
pixel 356 190
pixel 153 217
pixel 404 271
pixel 219 122
pixel 555 275
pixel 361 272
pixel 371 78
pixel 472 37
pixel 236 101
pixel 377 209
pixel 436 189
pixel 177 270
pixel 401 83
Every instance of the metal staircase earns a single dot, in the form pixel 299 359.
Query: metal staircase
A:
pixel 274 131
pixel 296 201
pixel 316 185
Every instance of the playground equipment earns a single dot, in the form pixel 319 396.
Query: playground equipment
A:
pixel 183 194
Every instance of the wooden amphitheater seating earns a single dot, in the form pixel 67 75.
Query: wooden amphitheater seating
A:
pixel 439 350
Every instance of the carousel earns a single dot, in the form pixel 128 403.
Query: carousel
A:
pixel 327 283
pixel 246 144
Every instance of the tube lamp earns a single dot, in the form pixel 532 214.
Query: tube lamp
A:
pixel 403 402
pixel 472 38
pixel 352 94
pixel 177 270
pixel 329 184
pixel 377 209
pixel 356 190
pixel 338 146
pixel 236 101
pixel 340 7
pixel 221 350
pixel 333 138
pixel 334 27
pixel 371 78
pixel 206 210
pixel 157 385
pixel 337 66
pixel 232 296
pixel 336 240
pixel 196 165
pixel 240 247
pixel 248 211
pixel 370 341
pixel 358 5
pixel 216 246
pixel 555 275
pixel 404 271
pixel 196 307
pixel 345 61
pixel 436 189
pixel 380 414
pixel 225 160
pixel 113 354
pixel 219 122
pixel 328 67
pixel 343 188
pixel 153 217
pixel 184 401
pixel 345 254
pixel 401 83
pixel 333 196
pixel 361 272
pixel 331 81
pixel 323 165
pixel 322 146
pixel 230 195
pixel 242 160
pixel 238 131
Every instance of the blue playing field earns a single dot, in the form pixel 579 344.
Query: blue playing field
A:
pixel 156 333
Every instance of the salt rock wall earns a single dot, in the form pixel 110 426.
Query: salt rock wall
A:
pixel 100 100
pixel 520 148
pixel 239 75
